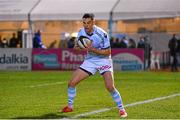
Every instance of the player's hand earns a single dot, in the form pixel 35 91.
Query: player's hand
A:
pixel 100 52
pixel 76 47
pixel 91 49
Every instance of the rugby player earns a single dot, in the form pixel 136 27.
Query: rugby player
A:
pixel 98 59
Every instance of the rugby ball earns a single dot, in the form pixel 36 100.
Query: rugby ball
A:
pixel 84 42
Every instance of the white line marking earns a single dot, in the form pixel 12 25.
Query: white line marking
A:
pixel 128 105
pixel 46 84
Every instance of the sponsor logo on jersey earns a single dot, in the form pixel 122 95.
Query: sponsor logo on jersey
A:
pixel 104 67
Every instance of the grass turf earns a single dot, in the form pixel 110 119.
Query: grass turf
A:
pixel 41 94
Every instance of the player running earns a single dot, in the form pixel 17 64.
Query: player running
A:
pixel 98 59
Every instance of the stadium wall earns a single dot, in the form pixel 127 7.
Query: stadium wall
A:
pixel 68 59
pixel 19 59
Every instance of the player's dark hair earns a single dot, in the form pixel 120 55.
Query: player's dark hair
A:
pixel 88 15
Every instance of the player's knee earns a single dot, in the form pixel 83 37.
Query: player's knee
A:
pixel 110 88
pixel 71 84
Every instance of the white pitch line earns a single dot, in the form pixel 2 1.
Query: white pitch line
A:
pixel 128 105
pixel 46 84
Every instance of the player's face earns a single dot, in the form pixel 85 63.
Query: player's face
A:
pixel 88 25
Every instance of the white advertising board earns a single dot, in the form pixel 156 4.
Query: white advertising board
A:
pixel 15 59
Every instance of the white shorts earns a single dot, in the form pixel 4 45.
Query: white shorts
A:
pixel 101 65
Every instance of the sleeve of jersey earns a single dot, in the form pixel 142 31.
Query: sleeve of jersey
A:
pixel 79 34
pixel 106 42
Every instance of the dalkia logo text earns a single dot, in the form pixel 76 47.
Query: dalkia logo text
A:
pixel 13 59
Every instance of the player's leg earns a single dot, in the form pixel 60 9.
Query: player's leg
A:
pixel 79 75
pixel 106 70
pixel 85 70
pixel 109 83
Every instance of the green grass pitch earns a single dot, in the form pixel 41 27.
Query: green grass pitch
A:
pixel 41 94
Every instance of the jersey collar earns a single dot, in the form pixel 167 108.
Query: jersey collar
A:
pixel 94 28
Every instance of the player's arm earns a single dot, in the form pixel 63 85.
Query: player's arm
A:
pixel 106 51
pixel 76 46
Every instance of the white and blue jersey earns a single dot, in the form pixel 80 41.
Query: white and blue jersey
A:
pixel 100 40
pixel 95 62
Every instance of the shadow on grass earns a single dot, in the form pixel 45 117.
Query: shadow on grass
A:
pixel 45 116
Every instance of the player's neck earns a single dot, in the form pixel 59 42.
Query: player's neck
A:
pixel 90 32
